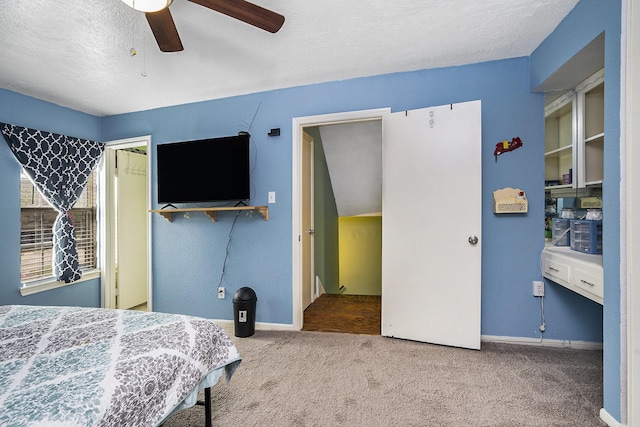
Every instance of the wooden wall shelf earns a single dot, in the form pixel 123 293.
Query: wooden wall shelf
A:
pixel 212 212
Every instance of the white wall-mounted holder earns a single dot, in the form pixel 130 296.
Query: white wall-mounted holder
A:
pixel 510 200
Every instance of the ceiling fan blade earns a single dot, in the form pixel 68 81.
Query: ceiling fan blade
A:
pixel 164 30
pixel 246 12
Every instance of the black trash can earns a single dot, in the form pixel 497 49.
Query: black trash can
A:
pixel 244 312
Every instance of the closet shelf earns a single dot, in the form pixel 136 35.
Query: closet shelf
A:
pixel 212 212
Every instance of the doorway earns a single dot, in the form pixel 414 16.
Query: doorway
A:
pixel 346 195
pixel 299 253
pixel 415 142
pixel 125 221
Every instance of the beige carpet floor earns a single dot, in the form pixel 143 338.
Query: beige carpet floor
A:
pixel 332 379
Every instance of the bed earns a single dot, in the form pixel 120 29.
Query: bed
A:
pixel 77 366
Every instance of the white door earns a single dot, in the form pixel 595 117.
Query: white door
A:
pixel 431 211
pixel 307 221
pixel 131 225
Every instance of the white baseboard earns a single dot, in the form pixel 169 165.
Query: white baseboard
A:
pixel 228 326
pixel 319 288
pixel 607 418
pixel 581 345
pixel 274 327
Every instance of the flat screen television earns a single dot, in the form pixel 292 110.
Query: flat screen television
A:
pixel 206 170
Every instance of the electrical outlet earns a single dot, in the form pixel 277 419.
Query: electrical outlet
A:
pixel 221 292
pixel 538 288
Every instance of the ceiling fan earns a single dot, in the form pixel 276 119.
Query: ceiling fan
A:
pixel 166 34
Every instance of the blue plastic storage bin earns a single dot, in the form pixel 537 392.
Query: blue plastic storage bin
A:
pixel 586 236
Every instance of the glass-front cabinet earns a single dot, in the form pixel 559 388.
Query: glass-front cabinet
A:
pixel 559 159
pixel 593 136
pixel 574 137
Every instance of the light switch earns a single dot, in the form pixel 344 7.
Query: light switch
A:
pixel 272 196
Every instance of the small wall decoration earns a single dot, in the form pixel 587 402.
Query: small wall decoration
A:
pixel 510 200
pixel 506 146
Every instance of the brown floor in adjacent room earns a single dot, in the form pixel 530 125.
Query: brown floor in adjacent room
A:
pixel 353 314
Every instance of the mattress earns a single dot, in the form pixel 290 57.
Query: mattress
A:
pixel 78 366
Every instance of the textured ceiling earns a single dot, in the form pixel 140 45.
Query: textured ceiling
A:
pixel 76 53
pixel 354 159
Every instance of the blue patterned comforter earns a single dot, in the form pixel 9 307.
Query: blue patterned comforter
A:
pixel 76 366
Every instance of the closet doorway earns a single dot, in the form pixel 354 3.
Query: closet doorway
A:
pixel 347 184
pixel 346 201
pixel 415 142
pixel 125 224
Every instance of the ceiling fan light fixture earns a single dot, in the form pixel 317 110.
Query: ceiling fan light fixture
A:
pixel 148 5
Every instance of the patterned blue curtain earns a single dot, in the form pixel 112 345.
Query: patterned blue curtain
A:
pixel 59 167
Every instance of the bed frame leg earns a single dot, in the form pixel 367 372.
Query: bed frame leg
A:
pixel 207 406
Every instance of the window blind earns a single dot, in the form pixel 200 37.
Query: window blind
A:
pixel 36 233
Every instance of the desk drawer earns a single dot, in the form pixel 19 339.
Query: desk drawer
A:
pixel 556 271
pixel 589 282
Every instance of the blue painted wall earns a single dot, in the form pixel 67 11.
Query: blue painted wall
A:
pixel 30 112
pixel 189 253
pixel 587 20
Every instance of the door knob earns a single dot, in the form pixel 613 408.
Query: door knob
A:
pixel 473 239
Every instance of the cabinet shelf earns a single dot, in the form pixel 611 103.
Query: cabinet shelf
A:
pixel 552 187
pixel 558 151
pixel 212 212
pixel 595 137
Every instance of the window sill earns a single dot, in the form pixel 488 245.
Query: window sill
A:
pixel 50 283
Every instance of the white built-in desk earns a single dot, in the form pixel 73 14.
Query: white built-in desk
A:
pixel 579 272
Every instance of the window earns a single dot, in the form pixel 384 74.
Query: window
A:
pixel 36 232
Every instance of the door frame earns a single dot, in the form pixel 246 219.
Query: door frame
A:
pixel 298 124
pixel 311 288
pixel 106 220
pixel 629 207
